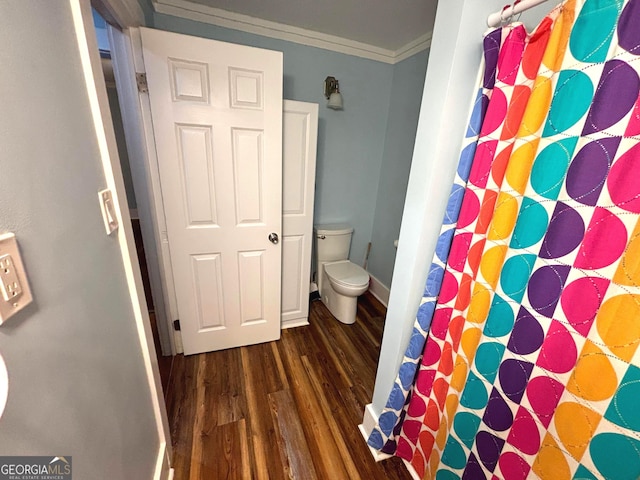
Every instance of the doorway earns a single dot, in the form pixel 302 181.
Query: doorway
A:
pixel 164 358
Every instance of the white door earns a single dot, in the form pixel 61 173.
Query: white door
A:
pixel 298 171
pixel 217 120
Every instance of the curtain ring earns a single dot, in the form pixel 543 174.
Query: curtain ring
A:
pixel 513 6
pixel 505 21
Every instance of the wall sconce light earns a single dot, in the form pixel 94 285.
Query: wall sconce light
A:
pixel 332 92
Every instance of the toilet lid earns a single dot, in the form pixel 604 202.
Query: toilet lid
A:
pixel 347 273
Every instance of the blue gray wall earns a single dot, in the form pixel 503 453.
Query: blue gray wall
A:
pixel 77 382
pixel 408 80
pixel 350 142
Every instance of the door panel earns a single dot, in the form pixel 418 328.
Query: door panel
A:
pixel 248 176
pixel 251 268
pixel 299 168
pixel 207 281
pixel 293 281
pixel 198 179
pixel 217 120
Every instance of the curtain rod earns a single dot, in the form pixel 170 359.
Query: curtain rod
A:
pixel 519 6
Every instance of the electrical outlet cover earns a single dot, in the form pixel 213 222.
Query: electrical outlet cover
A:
pixel 14 287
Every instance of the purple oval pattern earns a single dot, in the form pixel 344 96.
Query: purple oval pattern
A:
pixel 545 288
pixel 527 334
pixel 491 51
pixel 489 448
pixel 588 170
pixel 564 234
pixel 615 96
pixel 497 415
pixel 473 470
pixel 628 31
pixel 514 376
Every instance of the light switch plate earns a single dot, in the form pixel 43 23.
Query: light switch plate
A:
pixel 108 211
pixel 15 293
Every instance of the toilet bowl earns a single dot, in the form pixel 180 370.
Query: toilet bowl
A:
pixel 344 282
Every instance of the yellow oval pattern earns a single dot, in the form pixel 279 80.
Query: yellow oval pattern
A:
pixel 576 425
pixel 550 463
pixel 451 406
pixel 480 304
pixel 434 463
pixel 491 264
pixel 593 377
pixel 560 35
pixel 618 325
pixel 459 375
pixel 470 341
pixel 519 167
pixel 441 437
pixel 628 271
pixel 504 217
pixel 537 108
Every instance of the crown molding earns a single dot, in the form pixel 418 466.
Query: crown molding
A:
pixel 280 31
pixel 421 43
pixel 122 13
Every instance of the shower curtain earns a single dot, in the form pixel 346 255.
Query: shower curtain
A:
pixel 530 366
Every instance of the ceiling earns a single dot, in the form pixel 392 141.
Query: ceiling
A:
pixel 386 24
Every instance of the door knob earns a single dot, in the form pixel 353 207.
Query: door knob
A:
pixel 273 238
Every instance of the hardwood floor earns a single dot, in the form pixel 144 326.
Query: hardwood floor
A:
pixel 285 409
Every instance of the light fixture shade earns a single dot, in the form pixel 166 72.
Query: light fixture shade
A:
pixel 335 101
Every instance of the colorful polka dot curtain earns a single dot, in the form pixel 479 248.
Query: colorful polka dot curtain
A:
pixel 524 358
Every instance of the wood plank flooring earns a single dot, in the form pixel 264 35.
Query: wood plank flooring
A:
pixel 285 409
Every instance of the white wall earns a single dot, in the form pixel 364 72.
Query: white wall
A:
pixel 456 49
pixel 78 385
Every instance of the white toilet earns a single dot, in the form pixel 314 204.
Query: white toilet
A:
pixel 339 281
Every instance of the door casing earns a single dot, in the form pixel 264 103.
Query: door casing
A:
pixel 99 105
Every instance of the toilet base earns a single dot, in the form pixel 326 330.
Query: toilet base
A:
pixel 342 307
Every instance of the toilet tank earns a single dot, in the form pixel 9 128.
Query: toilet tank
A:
pixel 332 242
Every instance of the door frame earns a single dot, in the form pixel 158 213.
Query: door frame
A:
pixel 99 105
pixel 135 107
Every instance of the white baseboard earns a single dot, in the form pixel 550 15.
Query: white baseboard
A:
pixel 296 322
pixel 379 290
pixel 177 339
pixel 369 421
pixel 163 468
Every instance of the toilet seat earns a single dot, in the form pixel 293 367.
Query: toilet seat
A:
pixel 347 274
